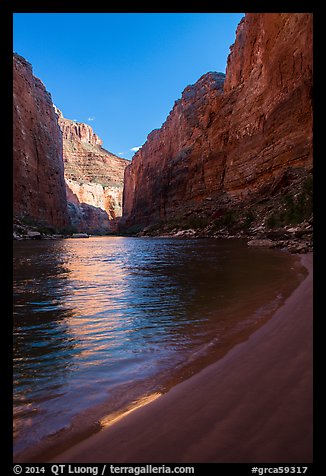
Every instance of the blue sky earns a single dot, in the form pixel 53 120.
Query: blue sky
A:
pixel 122 72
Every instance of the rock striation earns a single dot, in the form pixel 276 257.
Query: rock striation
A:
pixel 39 194
pixel 93 176
pixel 231 140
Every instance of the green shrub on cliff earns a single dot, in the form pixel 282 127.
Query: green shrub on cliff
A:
pixel 248 220
pixel 294 209
pixel 227 220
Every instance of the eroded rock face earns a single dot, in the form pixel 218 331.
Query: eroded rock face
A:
pixel 39 186
pixel 94 178
pixel 229 142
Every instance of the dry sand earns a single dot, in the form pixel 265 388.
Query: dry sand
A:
pixel 253 405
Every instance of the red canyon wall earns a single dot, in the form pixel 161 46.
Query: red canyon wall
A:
pixel 227 143
pixel 39 186
pixel 94 178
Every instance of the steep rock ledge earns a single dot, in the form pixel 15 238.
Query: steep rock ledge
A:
pixel 39 195
pixel 230 145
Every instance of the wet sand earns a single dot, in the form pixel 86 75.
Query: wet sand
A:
pixel 253 405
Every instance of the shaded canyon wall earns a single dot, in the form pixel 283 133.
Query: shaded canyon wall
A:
pixel 39 194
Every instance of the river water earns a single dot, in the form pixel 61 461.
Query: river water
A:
pixel 102 321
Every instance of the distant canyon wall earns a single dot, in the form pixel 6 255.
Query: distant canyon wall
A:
pixel 228 140
pixel 94 178
pixel 38 176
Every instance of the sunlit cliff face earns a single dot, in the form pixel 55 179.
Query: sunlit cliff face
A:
pixel 94 178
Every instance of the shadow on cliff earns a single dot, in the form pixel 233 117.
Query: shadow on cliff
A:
pixel 86 218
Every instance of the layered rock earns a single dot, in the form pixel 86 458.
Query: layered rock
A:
pixel 39 195
pixel 228 143
pixel 94 178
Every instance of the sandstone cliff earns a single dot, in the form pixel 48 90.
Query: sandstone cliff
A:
pixel 94 178
pixel 229 143
pixel 38 177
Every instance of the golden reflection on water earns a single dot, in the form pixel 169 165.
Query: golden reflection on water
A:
pixel 96 314
pixel 90 279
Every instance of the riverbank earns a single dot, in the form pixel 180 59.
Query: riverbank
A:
pixel 295 239
pixel 253 405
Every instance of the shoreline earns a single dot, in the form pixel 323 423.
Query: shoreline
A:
pixel 252 405
pixel 293 238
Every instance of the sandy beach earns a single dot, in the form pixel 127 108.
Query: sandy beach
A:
pixel 253 405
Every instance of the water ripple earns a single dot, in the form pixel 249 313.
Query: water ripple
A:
pixel 91 316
